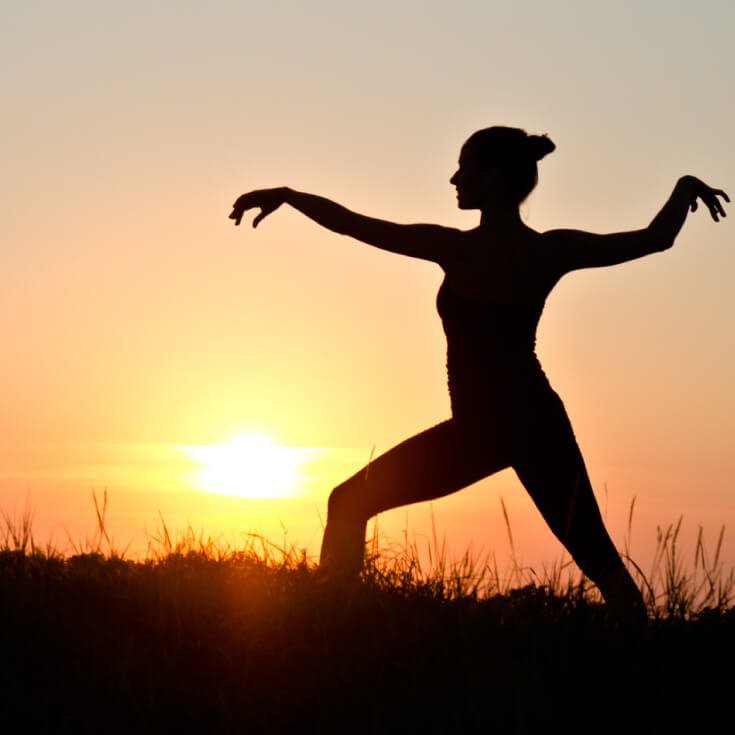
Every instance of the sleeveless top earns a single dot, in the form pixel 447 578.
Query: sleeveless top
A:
pixel 491 358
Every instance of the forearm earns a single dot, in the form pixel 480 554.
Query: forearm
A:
pixel 324 211
pixel 667 224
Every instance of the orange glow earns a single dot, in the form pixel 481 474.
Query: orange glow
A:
pixel 249 465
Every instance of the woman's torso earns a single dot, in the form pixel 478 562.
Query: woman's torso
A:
pixel 490 304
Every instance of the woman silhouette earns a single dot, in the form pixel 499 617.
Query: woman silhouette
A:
pixel 504 412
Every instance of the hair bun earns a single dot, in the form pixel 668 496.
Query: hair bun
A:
pixel 539 146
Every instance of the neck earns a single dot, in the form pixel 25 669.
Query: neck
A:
pixel 507 215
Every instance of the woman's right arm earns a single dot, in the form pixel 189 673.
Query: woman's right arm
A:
pixel 572 249
pixel 429 242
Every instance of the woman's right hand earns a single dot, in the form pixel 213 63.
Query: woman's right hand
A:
pixel 697 189
pixel 267 200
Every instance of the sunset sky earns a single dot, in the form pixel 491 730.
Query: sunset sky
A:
pixel 137 321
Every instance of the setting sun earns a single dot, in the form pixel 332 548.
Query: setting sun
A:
pixel 249 465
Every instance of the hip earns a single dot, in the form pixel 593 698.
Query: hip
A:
pixel 512 394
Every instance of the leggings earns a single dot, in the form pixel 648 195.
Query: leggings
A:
pixel 535 438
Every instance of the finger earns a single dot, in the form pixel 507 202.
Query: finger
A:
pixel 239 207
pixel 714 204
pixel 257 220
pixel 236 214
pixel 722 194
pixel 694 205
pixel 711 203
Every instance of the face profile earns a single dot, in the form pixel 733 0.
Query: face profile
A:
pixel 498 167
pixel 470 181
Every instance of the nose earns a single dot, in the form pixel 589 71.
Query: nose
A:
pixel 455 177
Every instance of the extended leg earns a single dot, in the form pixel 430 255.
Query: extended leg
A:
pixel 551 468
pixel 434 463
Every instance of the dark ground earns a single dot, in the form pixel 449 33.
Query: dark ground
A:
pixel 190 643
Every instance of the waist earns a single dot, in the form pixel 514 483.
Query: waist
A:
pixel 502 381
pixel 482 358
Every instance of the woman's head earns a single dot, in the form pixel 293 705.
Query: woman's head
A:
pixel 508 155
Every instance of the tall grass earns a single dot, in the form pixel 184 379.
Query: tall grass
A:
pixel 201 636
pixel 672 588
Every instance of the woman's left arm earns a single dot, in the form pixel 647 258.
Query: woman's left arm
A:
pixel 426 241
pixel 573 249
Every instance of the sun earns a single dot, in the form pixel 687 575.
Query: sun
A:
pixel 249 465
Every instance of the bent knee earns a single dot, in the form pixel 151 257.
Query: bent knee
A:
pixel 347 501
pixel 336 500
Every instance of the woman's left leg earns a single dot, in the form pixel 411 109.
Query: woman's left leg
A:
pixel 434 463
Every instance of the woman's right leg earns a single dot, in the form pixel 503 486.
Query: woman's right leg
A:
pixel 434 463
pixel 551 467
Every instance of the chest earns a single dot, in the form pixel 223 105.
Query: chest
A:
pixel 506 274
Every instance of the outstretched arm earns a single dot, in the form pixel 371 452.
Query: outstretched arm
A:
pixel 572 249
pixel 430 242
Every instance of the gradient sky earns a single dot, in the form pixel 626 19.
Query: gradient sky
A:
pixel 133 313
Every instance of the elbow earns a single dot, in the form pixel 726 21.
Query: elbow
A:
pixel 658 239
pixel 664 243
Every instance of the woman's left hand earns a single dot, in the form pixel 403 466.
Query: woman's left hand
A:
pixel 699 190
pixel 268 200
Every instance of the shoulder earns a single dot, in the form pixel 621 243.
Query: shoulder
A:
pixel 449 244
pixel 565 237
pixel 567 249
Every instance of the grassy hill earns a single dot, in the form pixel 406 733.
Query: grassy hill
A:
pixel 202 638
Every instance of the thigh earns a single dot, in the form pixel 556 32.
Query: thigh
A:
pixel 550 465
pixel 434 463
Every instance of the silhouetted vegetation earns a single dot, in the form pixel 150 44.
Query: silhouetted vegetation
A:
pixel 202 637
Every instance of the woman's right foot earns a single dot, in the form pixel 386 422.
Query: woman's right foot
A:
pixel 623 599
